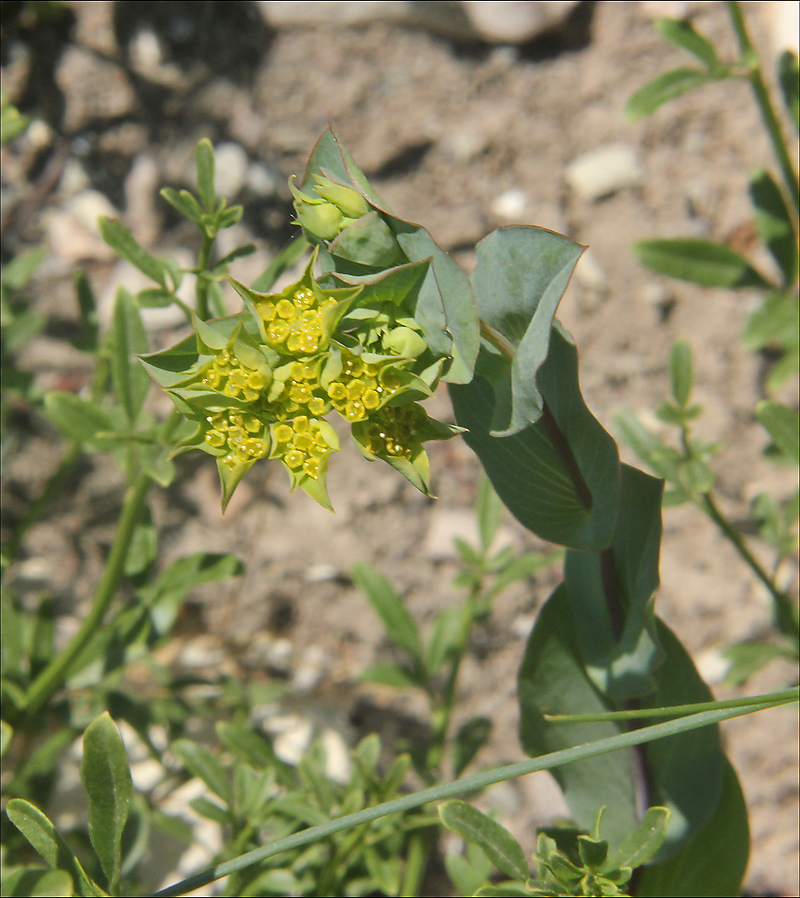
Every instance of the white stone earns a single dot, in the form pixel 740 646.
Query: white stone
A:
pixel 230 169
pixel 515 21
pixel 510 205
pixel 589 273
pixel 712 666
pixel 260 180
pixel 604 171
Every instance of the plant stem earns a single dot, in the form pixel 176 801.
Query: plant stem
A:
pixel 416 861
pixel 52 677
pixel 752 63
pixel 786 614
pixel 201 288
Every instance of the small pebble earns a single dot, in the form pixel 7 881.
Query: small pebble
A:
pixel 604 171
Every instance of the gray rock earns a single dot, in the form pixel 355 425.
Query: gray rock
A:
pixel 230 170
pixel 604 171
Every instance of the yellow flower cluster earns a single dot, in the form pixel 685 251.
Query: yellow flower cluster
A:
pixel 234 379
pixel 295 325
pixel 362 387
pixel 242 434
pixel 301 444
pixel 394 431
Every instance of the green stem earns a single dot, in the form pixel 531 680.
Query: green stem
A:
pixel 465 785
pixel 52 677
pixel 201 288
pixel 786 613
pixel 444 710
pixel 752 62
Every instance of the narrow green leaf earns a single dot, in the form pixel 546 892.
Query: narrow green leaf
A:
pixel 507 890
pixel 500 846
pixel 37 882
pixel 776 321
pixel 680 369
pixel 6 732
pixel 241 252
pixel 699 261
pixel 107 779
pixel 444 637
pixel 204 160
pixel 249 745
pixel 662 89
pixel 774 224
pixel 120 239
pixel 683 35
pixel 783 425
pixel 156 298
pixel 50 844
pixel 201 763
pixel 128 341
pixel 712 864
pixel 747 658
pixel 184 203
pixel 643 843
pixel 389 675
pixel 76 418
pixel 470 739
pixel 21 268
pixel 87 306
pixel 489 510
pixel 789 77
pixel 400 625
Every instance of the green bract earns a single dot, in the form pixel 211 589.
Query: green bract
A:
pixel 262 384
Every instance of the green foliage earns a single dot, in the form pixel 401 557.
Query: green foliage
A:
pixel 379 317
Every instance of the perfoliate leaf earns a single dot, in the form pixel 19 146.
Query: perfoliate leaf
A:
pixel 662 89
pixel 699 261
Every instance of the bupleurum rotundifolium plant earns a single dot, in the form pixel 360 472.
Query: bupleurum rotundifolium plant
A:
pixel 354 341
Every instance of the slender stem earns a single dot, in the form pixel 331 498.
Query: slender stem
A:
pixel 444 712
pixel 462 786
pixel 201 289
pixel 752 62
pixel 783 697
pixel 786 614
pixel 52 677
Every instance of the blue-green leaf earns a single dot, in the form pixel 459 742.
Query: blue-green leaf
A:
pixel 713 862
pixel 537 483
pixel 553 680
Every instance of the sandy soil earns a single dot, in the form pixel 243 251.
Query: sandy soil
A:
pixel 446 131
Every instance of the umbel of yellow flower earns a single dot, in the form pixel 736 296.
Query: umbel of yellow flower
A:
pixel 261 385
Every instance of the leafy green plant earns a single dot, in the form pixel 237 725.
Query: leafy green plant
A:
pixel 377 319
pixel 774 325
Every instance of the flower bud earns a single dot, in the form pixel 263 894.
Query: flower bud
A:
pixel 405 342
pixel 349 201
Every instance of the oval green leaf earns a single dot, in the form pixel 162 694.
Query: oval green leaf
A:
pixel 699 261
pixel 500 846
